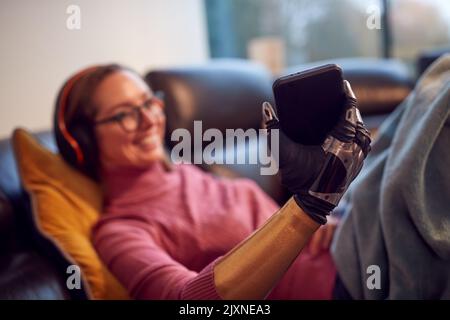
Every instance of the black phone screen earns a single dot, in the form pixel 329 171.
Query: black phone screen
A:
pixel 309 103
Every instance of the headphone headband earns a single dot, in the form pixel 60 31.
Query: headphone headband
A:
pixel 62 106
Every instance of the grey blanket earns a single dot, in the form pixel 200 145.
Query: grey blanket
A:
pixel 398 217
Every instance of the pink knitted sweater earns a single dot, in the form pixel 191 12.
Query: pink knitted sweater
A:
pixel 161 233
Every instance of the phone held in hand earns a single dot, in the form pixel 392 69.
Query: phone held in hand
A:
pixel 309 103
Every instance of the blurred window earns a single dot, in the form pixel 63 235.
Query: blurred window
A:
pixel 283 33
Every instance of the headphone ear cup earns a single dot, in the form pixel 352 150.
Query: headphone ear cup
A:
pixel 85 136
pixel 65 149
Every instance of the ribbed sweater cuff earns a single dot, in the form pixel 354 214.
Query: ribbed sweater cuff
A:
pixel 202 287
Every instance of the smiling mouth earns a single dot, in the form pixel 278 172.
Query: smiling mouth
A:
pixel 149 142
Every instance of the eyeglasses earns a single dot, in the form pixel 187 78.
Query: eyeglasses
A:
pixel 131 121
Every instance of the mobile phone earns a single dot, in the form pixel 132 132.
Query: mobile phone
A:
pixel 309 103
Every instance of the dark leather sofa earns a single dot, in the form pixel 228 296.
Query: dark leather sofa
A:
pixel 225 94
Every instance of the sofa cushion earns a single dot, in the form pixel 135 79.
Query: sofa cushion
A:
pixel 65 205
pixel 24 273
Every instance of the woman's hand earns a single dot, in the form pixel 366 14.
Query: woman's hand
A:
pixel 319 175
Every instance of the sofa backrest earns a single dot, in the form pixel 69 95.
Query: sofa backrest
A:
pixel 224 94
pixel 379 84
pixel 10 183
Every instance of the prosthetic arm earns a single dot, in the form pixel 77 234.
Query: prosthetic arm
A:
pixel 318 176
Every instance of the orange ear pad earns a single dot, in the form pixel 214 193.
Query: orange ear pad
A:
pixel 62 110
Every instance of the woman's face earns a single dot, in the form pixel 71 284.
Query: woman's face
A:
pixel 119 94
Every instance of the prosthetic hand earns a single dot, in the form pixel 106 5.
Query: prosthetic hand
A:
pixel 318 176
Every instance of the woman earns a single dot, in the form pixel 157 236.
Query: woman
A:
pixel 175 232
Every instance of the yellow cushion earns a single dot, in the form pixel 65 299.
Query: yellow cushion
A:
pixel 66 205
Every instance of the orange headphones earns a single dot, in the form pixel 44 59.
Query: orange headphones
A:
pixel 62 105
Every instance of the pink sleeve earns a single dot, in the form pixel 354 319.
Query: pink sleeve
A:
pixel 147 271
